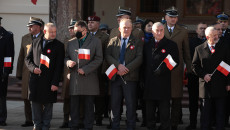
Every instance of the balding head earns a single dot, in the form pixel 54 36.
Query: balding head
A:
pixel 125 27
pixel 49 31
pixel 211 35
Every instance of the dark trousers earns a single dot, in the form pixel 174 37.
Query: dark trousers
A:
pixel 118 90
pixel 88 101
pixel 3 93
pixel 193 90
pixel 66 110
pixel 42 115
pixel 27 110
pixel 176 113
pixel 206 113
pixel 164 109
pixel 227 109
pixel 99 107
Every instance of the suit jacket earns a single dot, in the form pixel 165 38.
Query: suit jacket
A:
pixel 40 85
pixel 158 86
pixel 22 71
pixel 180 37
pixel 87 84
pixel 227 34
pixel 204 62
pixel 133 56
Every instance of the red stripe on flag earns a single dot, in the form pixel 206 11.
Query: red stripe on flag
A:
pixel 168 63
pixel 7 64
pixel 112 73
pixel 84 56
pixel 222 70
pixel 44 62
pixel 34 2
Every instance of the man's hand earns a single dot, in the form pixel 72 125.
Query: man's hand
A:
pixel 228 88
pixel 81 71
pixel 207 77
pixel 54 88
pixel 37 71
pixel 123 69
pixel 71 63
pixel 120 73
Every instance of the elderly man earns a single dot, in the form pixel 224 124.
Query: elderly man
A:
pixel 6 67
pixel 179 35
pixel 84 83
pixel 35 31
pixel 125 52
pixel 45 63
pixel 157 92
pixel 206 59
pixel 193 80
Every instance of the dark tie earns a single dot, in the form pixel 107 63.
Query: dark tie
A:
pixel 122 53
pixel 212 47
pixel 45 43
pixel 156 44
pixel 170 31
pixel 33 37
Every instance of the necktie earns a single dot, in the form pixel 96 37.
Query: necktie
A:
pixel 170 31
pixel 156 44
pixel 44 43
pixel 33 37
pixel 212 49
pixel 122 53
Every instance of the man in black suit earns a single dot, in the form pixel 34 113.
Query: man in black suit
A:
pixel 157 77
pixel 193 80
pixel 206 59
pixel 6 52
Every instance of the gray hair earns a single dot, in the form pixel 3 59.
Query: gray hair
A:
pixel 209 30
pixel 156 24
pixel 49 25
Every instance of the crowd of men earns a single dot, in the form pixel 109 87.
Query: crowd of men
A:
pixel 148 61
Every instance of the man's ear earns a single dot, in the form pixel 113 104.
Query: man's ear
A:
pixel 44 31
pixel 119 29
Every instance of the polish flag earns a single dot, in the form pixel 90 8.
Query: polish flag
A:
pixel 7 61
pixel 84 54
pixel 45 60
pixel 34 2
pixel 223 68
pixel 111 71
pixel 170 63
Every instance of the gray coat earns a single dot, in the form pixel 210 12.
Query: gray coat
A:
pixel 87 84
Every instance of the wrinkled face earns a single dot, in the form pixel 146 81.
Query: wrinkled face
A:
pixel 71 32
pixel 148 27
pixel 201 30
pixel 34 29
pixel 122 17
pixel 223 23
pixel 213 37
pixel 125 28
pixel 50 33
pixel 93 26
pixel 171 21
pixel 158 32
pixel 218 29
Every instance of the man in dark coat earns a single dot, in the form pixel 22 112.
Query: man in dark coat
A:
pixel 193 80
pixel 45 62
pixel 157 76
pixel 125 52
pixel 6 52
pixel 207 58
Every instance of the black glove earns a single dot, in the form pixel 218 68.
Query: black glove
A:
pixel 4 76
pixel 157 72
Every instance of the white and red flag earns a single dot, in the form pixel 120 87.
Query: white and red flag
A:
pixel 45 60
pixel 111 71
pixel 7 62
pixel 84 54
pixel 224 68
pixel 170 63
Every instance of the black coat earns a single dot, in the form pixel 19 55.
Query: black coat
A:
pixel 40 86
pixel 6 49
pixel 204 62
pixel 158 86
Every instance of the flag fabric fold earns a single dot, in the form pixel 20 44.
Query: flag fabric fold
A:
pixel 84 54
pixel 170 63
pixel 34 2
pixel 45 60
pixel 224 68
pixel 111 71
pixel 7 62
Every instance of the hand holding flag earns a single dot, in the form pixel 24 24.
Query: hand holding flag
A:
pixel 44 60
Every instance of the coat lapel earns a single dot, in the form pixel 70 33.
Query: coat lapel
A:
pixel 176 30
pixel 206 48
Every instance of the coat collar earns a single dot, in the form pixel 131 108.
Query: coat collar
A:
pixel 130 41
pixel 176 30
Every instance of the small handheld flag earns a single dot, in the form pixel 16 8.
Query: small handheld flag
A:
pixel 45 60
pixel 111 71
pixel 84 54
pixel 7 62
pixel 170 63
pixel 224 68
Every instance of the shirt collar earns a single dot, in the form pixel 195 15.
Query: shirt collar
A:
pixel 171 27
pixel 36 35
pixel 126 38
pixel 210 45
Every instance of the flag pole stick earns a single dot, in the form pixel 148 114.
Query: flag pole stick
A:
pixel 123 79
pixel 213 72
pixel 2 73
pixel 39 68
pixel 78 65
pixel 159 65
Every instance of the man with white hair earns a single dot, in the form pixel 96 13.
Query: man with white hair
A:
pixel 207 58
pixel 158 77
pixel 45 62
